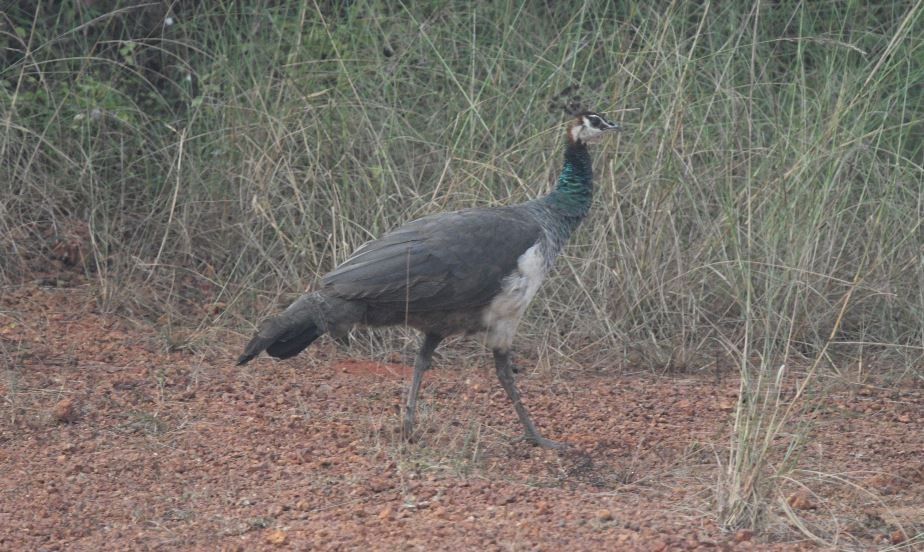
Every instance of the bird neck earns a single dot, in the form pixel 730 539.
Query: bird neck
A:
pixel 572 195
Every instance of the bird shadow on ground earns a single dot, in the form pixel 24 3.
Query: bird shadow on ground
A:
pixel 590 468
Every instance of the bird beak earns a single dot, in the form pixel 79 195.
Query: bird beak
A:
pixel 613 126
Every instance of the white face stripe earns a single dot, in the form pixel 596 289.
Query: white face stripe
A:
pixel 599 122
pixel 591 126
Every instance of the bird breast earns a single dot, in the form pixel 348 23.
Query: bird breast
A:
pixel 503 314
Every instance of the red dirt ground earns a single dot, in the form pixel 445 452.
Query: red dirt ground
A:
pixel 108 443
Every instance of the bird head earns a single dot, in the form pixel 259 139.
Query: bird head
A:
pixel 589 127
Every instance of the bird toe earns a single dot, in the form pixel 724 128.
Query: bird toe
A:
pixel 540 441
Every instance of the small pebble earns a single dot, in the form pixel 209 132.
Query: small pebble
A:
pixel 744 535
pixel 275 536
pixel 65 411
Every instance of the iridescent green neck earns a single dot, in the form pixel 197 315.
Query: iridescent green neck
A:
pixel 572 195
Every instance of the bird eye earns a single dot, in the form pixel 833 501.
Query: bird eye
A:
pixel 595 121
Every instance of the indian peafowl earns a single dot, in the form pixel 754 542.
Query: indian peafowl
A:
pixel 460 272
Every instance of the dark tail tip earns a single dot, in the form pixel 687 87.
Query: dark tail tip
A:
pixel 289 333
pixel 285 346
pixel 254 347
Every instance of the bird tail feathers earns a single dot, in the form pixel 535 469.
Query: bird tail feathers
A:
pixel 290 333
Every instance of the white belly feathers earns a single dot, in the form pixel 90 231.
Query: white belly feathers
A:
pixel 503 315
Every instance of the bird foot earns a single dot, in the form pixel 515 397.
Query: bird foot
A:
pixel 540 441
pixel 407 432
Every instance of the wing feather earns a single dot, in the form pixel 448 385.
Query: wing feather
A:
pixel 448 261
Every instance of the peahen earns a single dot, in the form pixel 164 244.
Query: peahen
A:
pixel 460 272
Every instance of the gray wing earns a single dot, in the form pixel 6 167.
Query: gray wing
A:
pixel 448 261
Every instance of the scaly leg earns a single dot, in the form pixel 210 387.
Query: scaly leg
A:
pixel 505 375
pixel 421 365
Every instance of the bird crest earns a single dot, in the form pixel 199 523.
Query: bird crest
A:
pixel 586 126
pixel 568 100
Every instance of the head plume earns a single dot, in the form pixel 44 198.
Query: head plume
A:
pixel 586 126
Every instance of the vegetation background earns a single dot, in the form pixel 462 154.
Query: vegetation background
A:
pixel 203 162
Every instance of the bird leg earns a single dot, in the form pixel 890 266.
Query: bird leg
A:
pixel 421 365
pixel 505 375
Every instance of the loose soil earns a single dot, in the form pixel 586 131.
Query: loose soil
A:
pixel 109 443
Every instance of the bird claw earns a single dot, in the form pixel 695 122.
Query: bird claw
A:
pixel 540 441
pixel 407 432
